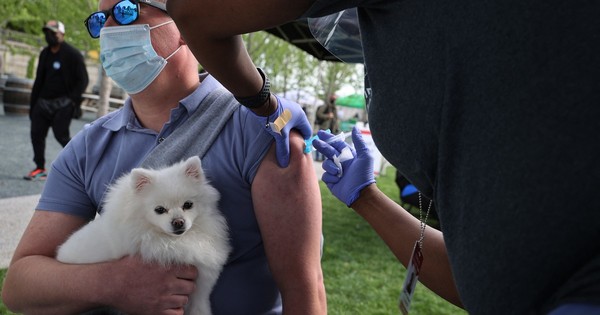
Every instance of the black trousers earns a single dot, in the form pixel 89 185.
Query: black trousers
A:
pixel 41 122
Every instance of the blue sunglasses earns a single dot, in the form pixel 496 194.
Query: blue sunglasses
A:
pixel 123 12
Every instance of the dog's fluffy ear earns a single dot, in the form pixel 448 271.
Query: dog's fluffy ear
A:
pixel 193 168
pixel 140 178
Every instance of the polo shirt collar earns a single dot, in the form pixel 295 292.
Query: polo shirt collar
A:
pixel 125 117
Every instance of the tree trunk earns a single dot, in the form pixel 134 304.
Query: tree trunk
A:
pixel 104 94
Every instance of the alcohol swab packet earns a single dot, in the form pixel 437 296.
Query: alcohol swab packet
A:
pixel 345 155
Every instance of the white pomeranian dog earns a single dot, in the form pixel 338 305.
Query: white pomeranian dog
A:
pixel 167 216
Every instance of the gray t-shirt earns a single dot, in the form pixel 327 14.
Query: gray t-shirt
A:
pixel 493 108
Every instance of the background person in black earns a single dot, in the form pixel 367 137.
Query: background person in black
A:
pixel 326 118
pixel 61 78
pixel 327 115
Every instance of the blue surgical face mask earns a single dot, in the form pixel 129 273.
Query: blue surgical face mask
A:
pixel 128 57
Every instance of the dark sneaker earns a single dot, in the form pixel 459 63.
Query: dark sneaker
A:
pixel 36 174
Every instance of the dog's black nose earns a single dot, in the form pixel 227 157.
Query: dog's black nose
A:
pixel 178 223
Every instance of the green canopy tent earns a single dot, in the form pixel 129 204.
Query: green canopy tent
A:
pixel 354 100
pixel 350 109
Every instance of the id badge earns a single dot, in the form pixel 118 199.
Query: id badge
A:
pixel 412 277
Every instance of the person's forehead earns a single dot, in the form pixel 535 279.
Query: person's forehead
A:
pixel 145 10
pixel 106 4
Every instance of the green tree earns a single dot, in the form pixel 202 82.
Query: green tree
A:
pixel 334 75
pixel 291 68
pixel 29 16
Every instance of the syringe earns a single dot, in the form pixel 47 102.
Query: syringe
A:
pixel 345 155
pixel 308 148
pixel 339 137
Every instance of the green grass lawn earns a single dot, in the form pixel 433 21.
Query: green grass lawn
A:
pixel 361 275
pixel 3 310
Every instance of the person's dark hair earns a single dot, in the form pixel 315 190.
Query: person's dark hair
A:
pixel 332 98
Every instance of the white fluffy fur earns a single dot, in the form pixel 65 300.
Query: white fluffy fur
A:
pixel 130 225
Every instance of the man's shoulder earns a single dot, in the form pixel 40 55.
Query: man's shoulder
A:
pixel 101 127
pixel 44 51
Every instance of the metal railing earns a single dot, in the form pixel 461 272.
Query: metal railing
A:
pixel 23 40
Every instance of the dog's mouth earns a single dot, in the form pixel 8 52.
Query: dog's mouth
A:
pixel 178 231
pixel 178 226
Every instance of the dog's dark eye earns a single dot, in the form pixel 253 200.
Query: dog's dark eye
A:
pixel 160 210
pixel 188 205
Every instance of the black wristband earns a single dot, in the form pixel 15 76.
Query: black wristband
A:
pixel 259 99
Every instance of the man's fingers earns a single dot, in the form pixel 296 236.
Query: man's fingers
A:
pixel 187 272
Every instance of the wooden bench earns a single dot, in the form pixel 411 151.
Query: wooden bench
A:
pixel 90 103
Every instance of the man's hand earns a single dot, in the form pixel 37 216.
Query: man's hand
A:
pixel 146 288
pixel 346 177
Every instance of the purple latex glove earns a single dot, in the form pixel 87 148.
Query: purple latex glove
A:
pixel 298 121
pixel 357 173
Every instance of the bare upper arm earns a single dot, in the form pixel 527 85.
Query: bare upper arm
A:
pixel 287 203
pixel 45 232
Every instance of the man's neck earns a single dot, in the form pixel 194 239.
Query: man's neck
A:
pixel 55 48
pixel 153 107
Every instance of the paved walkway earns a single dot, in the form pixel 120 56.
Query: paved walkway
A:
pixel 14 215
pixel 19 197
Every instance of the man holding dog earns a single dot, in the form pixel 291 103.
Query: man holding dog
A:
pixel 275 263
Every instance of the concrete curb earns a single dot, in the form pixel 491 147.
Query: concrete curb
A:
pixel 15 214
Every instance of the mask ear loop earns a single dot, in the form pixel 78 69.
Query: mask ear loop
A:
pixel 161 24
pixel 173 53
